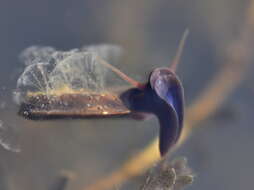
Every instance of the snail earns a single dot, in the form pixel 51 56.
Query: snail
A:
pixel 55 89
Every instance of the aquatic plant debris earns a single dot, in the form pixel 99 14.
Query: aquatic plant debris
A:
pixel 8 138
pixel 175 175
pixel 52 72
pixel 74 83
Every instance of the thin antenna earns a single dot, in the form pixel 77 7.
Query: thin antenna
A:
pixel 179 51
pixel 121 74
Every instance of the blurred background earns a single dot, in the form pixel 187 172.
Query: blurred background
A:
pixel 220 152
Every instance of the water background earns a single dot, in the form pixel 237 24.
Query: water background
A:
pixel 221 152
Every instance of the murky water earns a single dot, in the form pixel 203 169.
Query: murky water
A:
pixel 34 153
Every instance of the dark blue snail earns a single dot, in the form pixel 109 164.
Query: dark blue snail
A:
pixel 161 96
